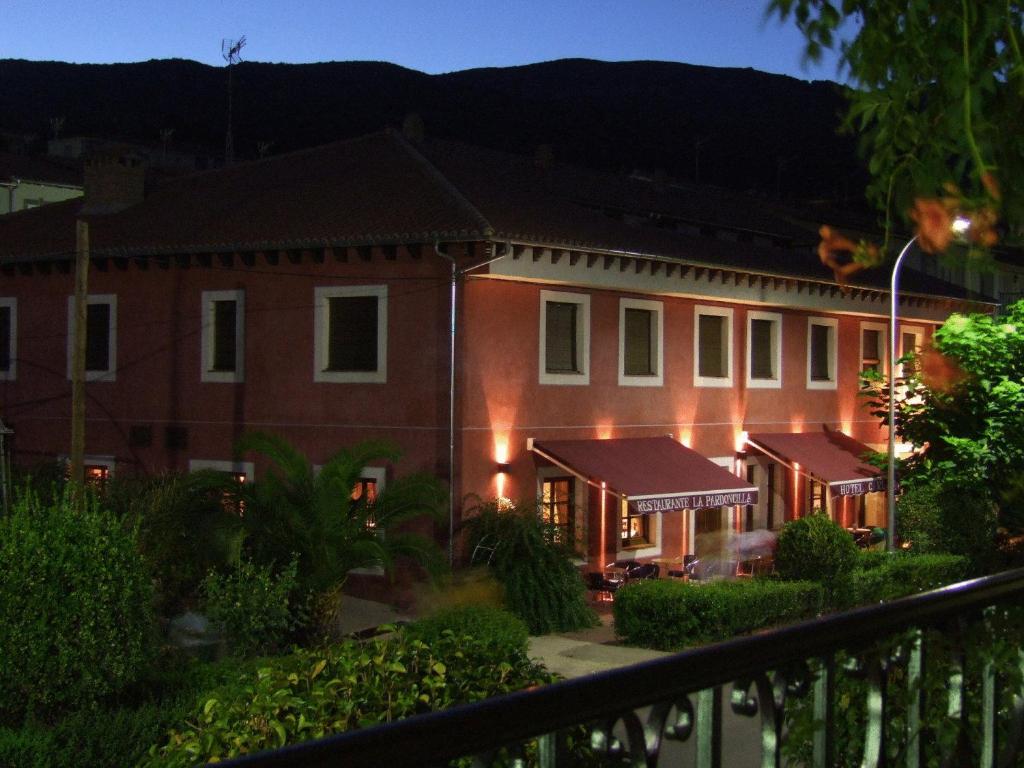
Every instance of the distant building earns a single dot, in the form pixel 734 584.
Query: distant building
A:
pixel 28 182
pixel 653 362
pixel 164 158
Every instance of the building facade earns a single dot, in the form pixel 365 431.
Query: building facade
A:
pixel 624 352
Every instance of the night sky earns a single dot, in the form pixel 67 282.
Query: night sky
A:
pixel 434 37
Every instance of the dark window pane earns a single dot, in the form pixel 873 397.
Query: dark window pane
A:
pixel 560 338
pixel 871 342
pixel 5 338
pixel 819 353
pixel 711 352
pixel 637 353
pixel 97 337
pixel 762 361
pixel 224 335
pixel 352 333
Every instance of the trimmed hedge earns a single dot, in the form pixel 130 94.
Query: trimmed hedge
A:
pixel 493 627
pixel 889 576
pixel 670 615
pixel 314 693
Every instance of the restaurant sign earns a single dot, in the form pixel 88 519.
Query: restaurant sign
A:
pixel 857 487
pixel 694 501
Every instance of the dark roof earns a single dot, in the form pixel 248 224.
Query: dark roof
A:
pixel 381 189
pixel 38 169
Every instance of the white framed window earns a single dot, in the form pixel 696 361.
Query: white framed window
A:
pixel 564 338
pixel 8 338
pixel 371 482
pixel 351 334
pixel 242 471
pixel 712 346
pixel 100 336
pixel 821 352
pixel 562 504
pixel 911 340
pixel 223 344
pixel 873 346
pixel 641 347
pixel 764 350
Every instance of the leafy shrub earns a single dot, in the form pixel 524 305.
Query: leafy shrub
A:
pixel 251 604
pixel 899 575
pixel 101 737
pixel 936 518
pixel 814 548
pixel 669 615
pixel 493 627
pixel 542 586
pixel 314 693
pixel 185 529
pixel 76 617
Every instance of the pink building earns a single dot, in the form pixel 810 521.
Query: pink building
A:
pixel 310 295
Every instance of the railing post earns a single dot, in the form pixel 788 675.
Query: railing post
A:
pixel 709 728
pixel 546 750
pixel 824 701
pixel 916 691
pixel 989 708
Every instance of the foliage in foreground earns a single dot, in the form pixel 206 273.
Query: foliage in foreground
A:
pixel 542 585
pixel 670 615
pixel 76 616
pixel 314 693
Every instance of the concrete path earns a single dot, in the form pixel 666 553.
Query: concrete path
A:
pixel 591 650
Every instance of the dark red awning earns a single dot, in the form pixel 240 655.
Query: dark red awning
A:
pixel 654 474
pixel 829 456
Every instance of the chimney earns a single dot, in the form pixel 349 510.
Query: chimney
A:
pixel 114 179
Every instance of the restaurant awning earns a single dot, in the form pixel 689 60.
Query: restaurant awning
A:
pixel 653 474
pixel 828 456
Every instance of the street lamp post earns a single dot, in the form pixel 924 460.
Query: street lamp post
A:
pixel 890 486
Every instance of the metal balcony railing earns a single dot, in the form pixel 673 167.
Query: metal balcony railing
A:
pixel 633 715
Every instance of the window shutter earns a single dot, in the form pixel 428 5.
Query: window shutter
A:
pixel 5 338
pixel 224 335
pixel 872 350
pixel 762 361
pixel 637 342
pixel 819 353
pixel 352 333
pixel 97 337
pixel 711 351
pixel 909 346
pixel 560 338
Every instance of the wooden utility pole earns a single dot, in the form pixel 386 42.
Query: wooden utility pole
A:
pixel 78 353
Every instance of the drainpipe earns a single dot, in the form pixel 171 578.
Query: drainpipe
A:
pixel 456 274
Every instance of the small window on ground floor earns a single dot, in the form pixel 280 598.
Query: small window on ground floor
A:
pixel 557 507
pixel 635 528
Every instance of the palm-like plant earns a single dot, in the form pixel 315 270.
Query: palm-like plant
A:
pixel 294 509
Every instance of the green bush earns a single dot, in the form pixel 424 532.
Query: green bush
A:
pixel 935 518
pixel 185 529
pixel 76 617
pixel 101 737
pixel 670 615
pixel 314 693
pixel 542 585
pixel 251 605
pixel 814 548
pixel 899 575
pixel 493 627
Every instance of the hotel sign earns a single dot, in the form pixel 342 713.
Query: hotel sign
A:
pixel 857 487
pixel 694 501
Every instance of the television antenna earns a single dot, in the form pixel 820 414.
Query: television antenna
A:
pixel 231 51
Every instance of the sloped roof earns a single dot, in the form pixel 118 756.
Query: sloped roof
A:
pixel 381 189
pixel 38 169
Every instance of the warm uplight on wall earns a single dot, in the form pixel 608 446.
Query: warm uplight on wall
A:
pixel 846 427
pixel 604 431
pixel 501 453
pixel 796 424
pixel 686 436
pixel 741 441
